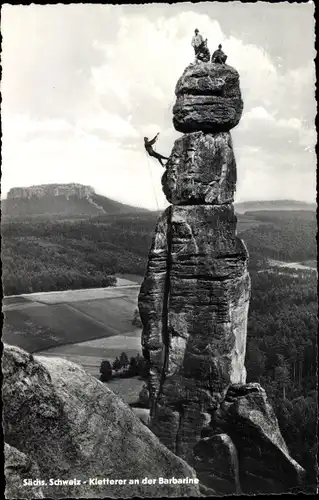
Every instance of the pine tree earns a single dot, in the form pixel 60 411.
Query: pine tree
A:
pixel 105 371
pixel 133 368
pixel 117 364
pixel 282 375
pixel 124 360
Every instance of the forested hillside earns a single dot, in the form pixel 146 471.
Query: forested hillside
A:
pixel 282 353
pixel 41 254
pixel 286 236
pixel 272 205
pixel 44 255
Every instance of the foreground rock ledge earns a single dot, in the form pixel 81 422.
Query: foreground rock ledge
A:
pixel 70 425
pixel 265 465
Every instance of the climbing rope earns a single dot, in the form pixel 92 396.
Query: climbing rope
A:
pixel 152 181
pixel 171 105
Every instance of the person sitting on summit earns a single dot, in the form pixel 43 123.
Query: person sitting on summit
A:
pixel 219 57
pixel 203 53
pixel 197 41
pixel 148 146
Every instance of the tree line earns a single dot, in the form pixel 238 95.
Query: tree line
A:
pixel 285 239
pixel 281 354
pixel 122 367
pixel 44 255
pixel 41 255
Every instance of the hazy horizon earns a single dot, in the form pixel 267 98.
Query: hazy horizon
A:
pixel 82 84
pixel 252 200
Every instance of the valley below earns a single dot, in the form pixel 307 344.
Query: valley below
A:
pixel 71 286
pixel 81 326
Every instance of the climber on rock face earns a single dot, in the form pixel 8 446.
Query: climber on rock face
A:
pixel 197 41
pixel 148 146
pixel 219 56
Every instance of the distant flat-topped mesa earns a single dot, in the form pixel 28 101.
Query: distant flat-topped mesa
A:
pixel 208 99
pixel 42 190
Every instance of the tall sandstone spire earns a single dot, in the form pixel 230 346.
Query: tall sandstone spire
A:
pixel 195 295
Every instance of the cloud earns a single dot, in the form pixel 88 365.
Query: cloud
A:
pixel 119 174
pixel 287 143
pixel 114 126
pixel 83 84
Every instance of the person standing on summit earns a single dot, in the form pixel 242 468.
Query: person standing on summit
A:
pixel 197 41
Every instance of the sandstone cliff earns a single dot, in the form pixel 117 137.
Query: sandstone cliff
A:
pixel 61 423
pixel 195 295
pixel 208 99
pixel 60 199
pixel 201 169
pixel 265 465
pixel 194 303
pixel 67 190
pixel 17 469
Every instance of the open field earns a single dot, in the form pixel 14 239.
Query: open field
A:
pixel 82 326
pixel 133 278
pixel 89 354
pixel 37 322
pixel 310 264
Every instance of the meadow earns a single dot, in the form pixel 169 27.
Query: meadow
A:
pixel 42 321
pixel 41 255
pixel 90 354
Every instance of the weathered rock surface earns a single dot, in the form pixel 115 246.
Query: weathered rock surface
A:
pixel 143 414
pixel 265 465
pixel 193 305
pixel 152 302
pixel 201 170
pixel 18 468
pixel 72 426
pixel 216 463
pixel 208 99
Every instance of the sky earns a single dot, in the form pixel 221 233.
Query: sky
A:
pixel 82 84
